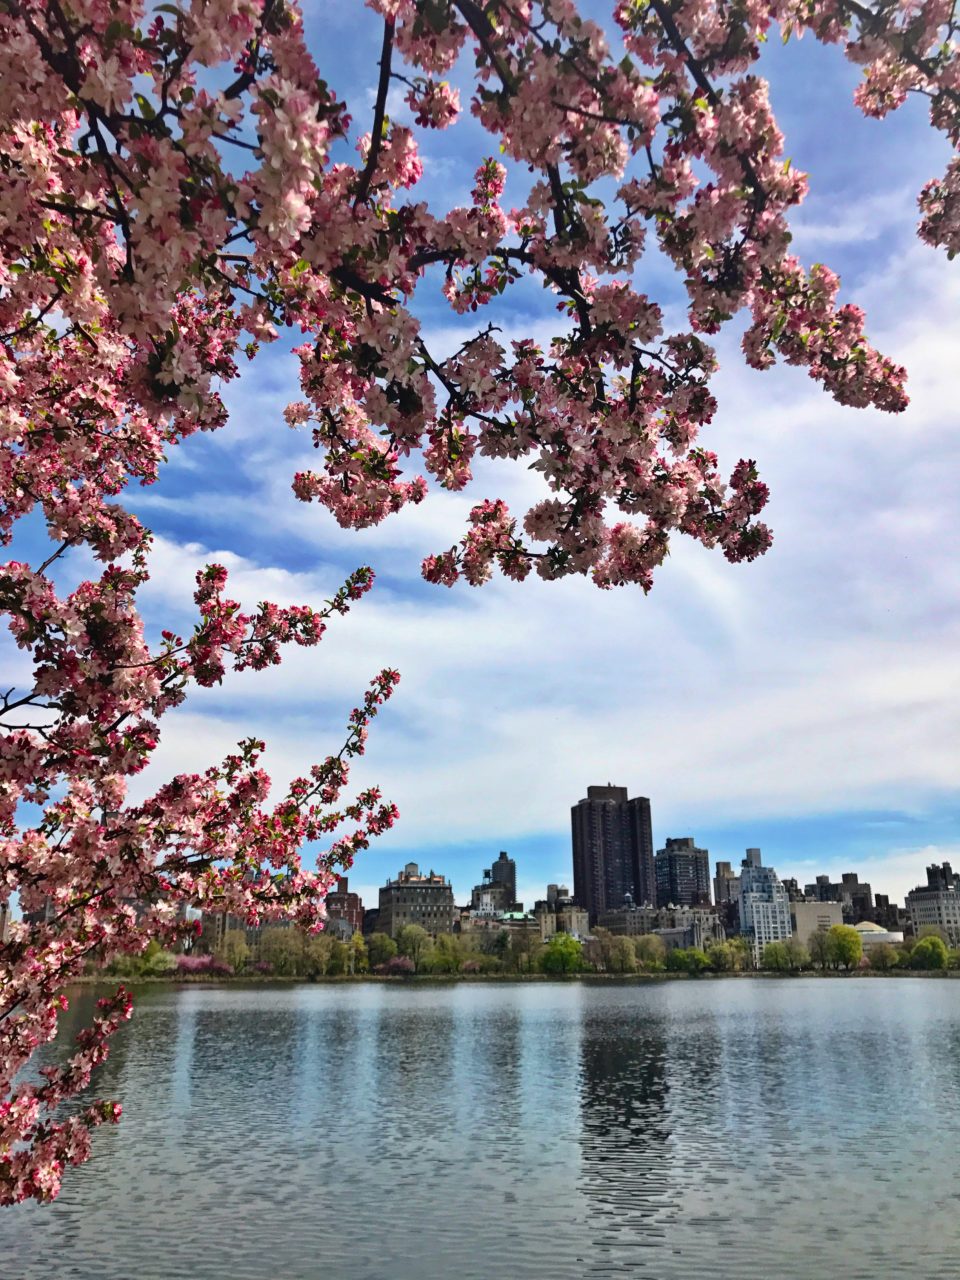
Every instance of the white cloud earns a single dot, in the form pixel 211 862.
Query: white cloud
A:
pixel 822 678
pixel 842 221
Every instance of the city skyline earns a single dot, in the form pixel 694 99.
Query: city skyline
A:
pixel 462 864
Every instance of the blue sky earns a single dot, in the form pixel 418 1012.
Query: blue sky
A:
pixel 806 703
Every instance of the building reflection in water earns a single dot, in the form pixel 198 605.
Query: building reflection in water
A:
pixel 625 1130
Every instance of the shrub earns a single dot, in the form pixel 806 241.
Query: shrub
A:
pixel 929 953
pixel 191 966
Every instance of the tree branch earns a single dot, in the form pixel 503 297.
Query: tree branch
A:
pixel 379 115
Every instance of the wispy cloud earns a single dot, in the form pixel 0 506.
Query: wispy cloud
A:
pixel 821 680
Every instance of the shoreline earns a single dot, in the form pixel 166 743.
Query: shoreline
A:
pixel 449 979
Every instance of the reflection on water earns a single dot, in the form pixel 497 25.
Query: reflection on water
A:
pixel 625 1131
pixel 740 1129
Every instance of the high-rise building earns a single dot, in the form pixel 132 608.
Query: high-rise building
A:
pixel 794 892
pixel 764 905
pixel 683 874
pixel 726 884
pixel 942 877
pixel 887 913
pixel 498 889
pixel 504 871
pixel 414 898
pixel 854 895
pixel 612 850
pixel 857 897
pixel 937 903
pixel 726 896
pixel 824 890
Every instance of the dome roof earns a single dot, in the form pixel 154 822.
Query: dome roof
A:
pixel 865 926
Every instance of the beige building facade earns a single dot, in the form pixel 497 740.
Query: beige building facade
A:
pixel 814 917
pixel 417 898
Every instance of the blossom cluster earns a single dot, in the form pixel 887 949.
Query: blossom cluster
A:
pixel 178 182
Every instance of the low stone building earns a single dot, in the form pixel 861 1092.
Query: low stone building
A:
pixel 631 920
pixel 562 915
pixel 475 926
pixel 686 926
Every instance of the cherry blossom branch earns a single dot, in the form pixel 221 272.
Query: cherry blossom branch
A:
pixel 379 114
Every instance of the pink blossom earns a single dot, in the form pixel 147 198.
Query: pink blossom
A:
pixel 141 262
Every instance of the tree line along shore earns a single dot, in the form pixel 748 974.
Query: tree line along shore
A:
pixel 289 953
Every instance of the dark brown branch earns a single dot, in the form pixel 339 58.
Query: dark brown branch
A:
pixel 379 115
pixel 871 21
pixel 703 84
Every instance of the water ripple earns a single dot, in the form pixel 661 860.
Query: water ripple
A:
pixel 745 1130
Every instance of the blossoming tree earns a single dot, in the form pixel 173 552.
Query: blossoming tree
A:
pixel 176 183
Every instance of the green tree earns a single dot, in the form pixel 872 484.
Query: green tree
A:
pixel 495 942
pixel 315 952
pixel 501 945
pixel 697 961
pixel 932 931
pixel 380 948
pixel 359 961
pixel 882 957
pixel 562 954
pixel 622 957
pixel 234 949
pixel 818 945
pixel 690 960
pixel 446 956
pixel 844 947
pixel 340 953
pixel 152 962
pixel 413 941
pixel 160 964
pixel 930 953
pixel 650 951
pixel 599 949
pixel 743 952
pixel 523 943
pixel 775 957
pixel 722 957
pixel 798 957
pixel 282 950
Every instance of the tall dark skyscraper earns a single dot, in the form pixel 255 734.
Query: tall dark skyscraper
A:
pixel 612 850
pixel 504 871
pixel 683 874
pixel 499 886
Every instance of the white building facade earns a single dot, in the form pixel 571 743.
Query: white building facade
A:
pixel 874 935
pixel 937 907
pixel 764 905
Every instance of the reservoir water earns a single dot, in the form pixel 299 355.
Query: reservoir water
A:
pixel 737 1129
